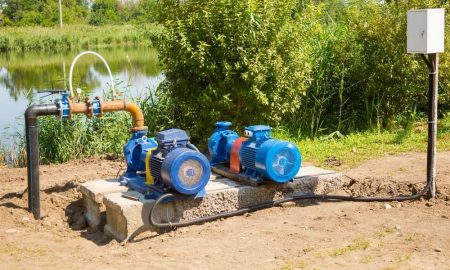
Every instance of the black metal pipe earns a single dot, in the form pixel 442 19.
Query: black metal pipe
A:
pixel 32 139
pixel 432 122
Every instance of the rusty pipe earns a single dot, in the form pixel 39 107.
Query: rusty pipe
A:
pixel 111 106
pixel 133 109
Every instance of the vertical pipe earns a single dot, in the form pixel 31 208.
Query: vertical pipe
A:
pixel 432 123
pixel 60 15
pixel 32 138
pixel 33 166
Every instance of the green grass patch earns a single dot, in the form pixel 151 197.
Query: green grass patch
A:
pixel 71 37
pixel 358 244
pixel 20 251
pixel 337 150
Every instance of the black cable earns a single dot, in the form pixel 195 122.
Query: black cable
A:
pixel 322 197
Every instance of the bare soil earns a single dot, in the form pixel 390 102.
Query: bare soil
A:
pixel 344 235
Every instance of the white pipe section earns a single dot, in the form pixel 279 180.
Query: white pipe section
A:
pixel 104 61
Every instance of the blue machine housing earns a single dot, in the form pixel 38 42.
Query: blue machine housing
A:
pixel 135 151
pixel 175 165
pixel 221 142
pixel 261 156
pixel 264 157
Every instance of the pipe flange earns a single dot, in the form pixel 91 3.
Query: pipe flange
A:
pixel 135 129
pixel 69 101
pixel 60 109
pixel 89 108
pixel 100 101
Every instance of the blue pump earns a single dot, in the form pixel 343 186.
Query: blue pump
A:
pixel 221 142
pixel 135 152
pixel 168 163
pixel 261 157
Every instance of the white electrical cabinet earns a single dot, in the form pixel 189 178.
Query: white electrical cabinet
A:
pixel 426 31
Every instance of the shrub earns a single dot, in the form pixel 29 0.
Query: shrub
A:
pixel 233 60
pixel 362 77
pixel 312 67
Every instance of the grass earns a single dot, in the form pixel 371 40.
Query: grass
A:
pixel 336 149
pixel 107 136
pixel 358 244
pixel 71 37
pixel 13 157
pixel 20 252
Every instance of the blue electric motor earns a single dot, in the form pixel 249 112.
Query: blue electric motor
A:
pixel 177 165
pixel 260 156
pixel 168 164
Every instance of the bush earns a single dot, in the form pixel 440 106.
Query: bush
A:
pixel 77 138
pixel 362 77
pixel 312 67
pixel 231 60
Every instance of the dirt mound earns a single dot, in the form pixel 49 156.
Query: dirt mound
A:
pixel 383 186
pixel 61 206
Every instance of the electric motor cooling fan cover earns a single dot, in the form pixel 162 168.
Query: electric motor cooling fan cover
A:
pixel 278 160
pixel 186 171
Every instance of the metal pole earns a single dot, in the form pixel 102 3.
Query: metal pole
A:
pixel 60 15
pixel 432 122
pixel 64 74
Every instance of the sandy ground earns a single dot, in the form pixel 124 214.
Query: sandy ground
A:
pixel 408 235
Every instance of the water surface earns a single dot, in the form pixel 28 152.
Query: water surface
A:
pixel 27 79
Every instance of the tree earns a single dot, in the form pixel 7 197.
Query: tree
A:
pixel 44 13
pixel 104 12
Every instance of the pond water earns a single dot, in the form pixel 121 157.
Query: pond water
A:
pixel 28 79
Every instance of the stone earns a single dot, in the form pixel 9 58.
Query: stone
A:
pixel 387 206
pixel 11 231
pixel 396 204
pixel 26 219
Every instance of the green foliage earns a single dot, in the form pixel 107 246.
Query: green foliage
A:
pixel 244 61
pixel 101 12
pixel 348 150
pixel 71 37
pixel 43 13
pixel 312 67
pixel 362 76
pixel 79 137
pixel 104 12
pixel 60 141
pixel 112 12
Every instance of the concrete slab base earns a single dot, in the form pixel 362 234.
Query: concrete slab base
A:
pixel 93 193
pixel 127 218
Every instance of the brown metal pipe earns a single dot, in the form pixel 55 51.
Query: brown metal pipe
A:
pixel 133 109
pixel 112 106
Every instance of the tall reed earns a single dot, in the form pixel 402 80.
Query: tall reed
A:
pixel 71 37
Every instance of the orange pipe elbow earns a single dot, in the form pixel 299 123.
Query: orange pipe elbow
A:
pixel 133 109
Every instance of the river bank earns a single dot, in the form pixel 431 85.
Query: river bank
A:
pixel 71 37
